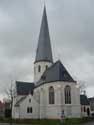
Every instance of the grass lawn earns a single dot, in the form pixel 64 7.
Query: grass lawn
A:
pixel 72 121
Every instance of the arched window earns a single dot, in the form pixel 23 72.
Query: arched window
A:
pixel 46 67
pixel 29 109
pixel 39 68
pixel 84 109
pixel 38 96
pixel 67 95
pixel 51 95
pixel 34 70
pixel 29 100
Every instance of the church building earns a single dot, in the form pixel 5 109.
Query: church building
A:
pixel 53 91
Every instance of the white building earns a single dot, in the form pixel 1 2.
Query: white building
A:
pixel 85 106
pixel 54 90
pixel 91 101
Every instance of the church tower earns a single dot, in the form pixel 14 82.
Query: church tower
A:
pixel 44 57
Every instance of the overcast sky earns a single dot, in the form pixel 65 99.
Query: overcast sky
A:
pixel 71 26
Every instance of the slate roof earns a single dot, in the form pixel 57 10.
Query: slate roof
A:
pixel 57 72
pixel 84 100
pixel 24 88
pixel 44 51
pixel 18 102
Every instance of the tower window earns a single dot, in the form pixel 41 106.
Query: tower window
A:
pixel 39 68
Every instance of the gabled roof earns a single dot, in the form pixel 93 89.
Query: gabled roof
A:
pixel 57 72
pixel 84 100
pixel 19 101
pixel 44 52
pixel 24 88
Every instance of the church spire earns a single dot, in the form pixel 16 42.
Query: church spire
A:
pixel 44 52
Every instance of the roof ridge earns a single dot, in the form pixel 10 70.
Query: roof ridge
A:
pixel 57 72
pixel 24 82
pixel 49 68
pixel 20 100
pixel 66 69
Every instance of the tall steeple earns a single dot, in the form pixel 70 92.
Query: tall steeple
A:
pixel 44 52
pixel 44 57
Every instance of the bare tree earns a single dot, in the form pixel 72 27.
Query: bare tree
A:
pixel 82 87
pixel 10 92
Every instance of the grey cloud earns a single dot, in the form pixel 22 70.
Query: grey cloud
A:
pixel 71 25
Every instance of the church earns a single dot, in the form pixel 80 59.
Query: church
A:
pixel 53 91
